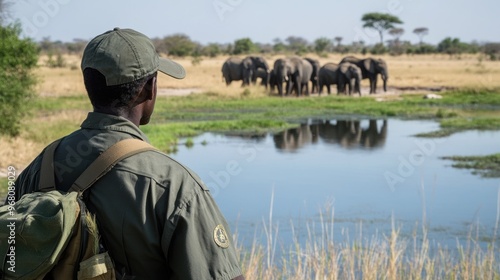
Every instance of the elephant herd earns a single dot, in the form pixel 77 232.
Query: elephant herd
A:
pixel 294 74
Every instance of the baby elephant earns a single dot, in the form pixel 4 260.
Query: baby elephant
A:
pixel 351 75
pixel 341 75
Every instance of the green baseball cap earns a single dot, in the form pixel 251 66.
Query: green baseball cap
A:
pixel 125 55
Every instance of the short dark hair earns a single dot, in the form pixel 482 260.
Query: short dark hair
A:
pixel 117 96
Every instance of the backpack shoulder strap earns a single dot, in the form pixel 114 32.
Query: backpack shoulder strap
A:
pixel 47 181
pixel 107 160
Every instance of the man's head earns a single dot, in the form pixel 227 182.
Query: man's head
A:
pixel 119 69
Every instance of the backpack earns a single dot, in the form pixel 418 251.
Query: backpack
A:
pixel 50 234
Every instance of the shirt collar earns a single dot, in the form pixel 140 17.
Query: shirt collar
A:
pixel 96 120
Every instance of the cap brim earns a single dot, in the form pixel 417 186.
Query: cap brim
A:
pixel 171 68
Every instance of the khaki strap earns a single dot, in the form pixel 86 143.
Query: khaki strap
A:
pixel 107 160
pixel 47 181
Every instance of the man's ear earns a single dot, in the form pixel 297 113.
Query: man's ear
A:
pixel 148 91
pixel 150 86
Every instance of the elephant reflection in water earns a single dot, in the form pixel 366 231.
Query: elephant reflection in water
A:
pixel 346 133
pixel 372 137
pixel 295 138
pixel 351 134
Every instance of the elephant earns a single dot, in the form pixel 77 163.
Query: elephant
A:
pixel 258 62
pixel 370 68
pixel 340 74
pixel 273 81
pixel 314 76
pixel 349 73
pixel 295 71
pixel 236 69
pixel 265 76
pixel 278 68
pixel 327 76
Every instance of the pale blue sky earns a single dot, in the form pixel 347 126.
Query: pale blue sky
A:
pixel 223 21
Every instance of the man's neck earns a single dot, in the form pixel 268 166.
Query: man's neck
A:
pixel 130 115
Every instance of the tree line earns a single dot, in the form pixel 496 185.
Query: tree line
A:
pixel 181 45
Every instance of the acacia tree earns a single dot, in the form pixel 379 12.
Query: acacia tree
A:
pixel 338 40
pixel 421 32
pixel 396 33
pixel 380 22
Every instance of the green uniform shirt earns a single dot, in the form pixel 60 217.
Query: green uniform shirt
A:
pixel 157 218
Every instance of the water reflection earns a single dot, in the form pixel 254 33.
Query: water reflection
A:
pixel 344 163
pixel 346 133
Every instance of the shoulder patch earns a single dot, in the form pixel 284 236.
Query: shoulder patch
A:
pixel 220 236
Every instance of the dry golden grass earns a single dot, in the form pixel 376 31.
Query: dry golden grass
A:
pixel 20 151
pixel 439 70
pixel 387 256
pixel 405 71
pixel 12 155
pixel 60 81
pixel 436 71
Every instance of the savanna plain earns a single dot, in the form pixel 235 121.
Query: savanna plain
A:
pixel 470 90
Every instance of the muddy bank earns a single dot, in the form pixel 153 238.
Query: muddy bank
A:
pixel 364 91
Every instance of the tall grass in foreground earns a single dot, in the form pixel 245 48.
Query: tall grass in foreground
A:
pixel 376 257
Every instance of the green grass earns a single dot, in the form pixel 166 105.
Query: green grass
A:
pixel 165 135
pixel 456 124
pixel 478 123
pixel 472 97
pixel 46 132
pixel 413 106
pixel 455 105
pixel 54 104
pixel 191 115
pixel 485 166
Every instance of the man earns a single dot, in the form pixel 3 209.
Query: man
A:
pixel 157 219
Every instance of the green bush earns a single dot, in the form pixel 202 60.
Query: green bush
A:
pixel 59 62
pixel 425 49
pixel 18 57
pixel 378 49
pixel 211 50
pixel 244 46
pixel 179 45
